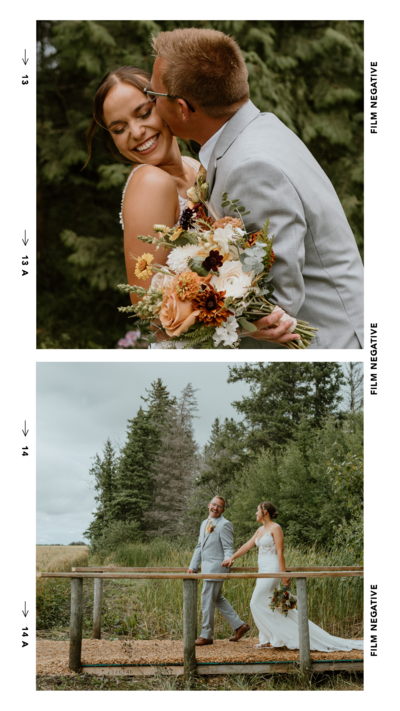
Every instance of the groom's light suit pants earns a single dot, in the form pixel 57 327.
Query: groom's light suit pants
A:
pixel 211 598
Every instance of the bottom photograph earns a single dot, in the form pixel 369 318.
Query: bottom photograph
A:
pixel 199 526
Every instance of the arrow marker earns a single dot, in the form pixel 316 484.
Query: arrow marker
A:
pixel 25 60
pixel 25 431
pixel 25 612
pixel 25 241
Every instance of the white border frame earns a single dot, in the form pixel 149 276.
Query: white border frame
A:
pixel 19 324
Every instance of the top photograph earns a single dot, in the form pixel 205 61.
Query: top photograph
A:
pixel 200 185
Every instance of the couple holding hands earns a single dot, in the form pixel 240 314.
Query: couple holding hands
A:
pixel 215 553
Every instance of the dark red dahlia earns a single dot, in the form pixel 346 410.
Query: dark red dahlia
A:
pixel 186 220
pixel 213 261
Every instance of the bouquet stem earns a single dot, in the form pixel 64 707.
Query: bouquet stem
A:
pixel 261 307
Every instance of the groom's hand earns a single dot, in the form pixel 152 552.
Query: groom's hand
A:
pixel 227 563
pixel 190 570
pixel 268 330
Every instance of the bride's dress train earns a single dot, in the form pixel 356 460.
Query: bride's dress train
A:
pixel 273 626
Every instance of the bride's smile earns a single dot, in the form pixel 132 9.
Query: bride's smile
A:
pixel 148 144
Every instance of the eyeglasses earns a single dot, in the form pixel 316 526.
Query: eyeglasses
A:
pixel 150 93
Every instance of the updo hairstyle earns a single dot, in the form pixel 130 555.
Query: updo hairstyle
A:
pixel 267 506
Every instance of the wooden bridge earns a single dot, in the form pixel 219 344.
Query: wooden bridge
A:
pixel 190 581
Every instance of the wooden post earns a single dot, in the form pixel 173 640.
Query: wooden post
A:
pixel 304 633
pixel 195 587
pixel 97 605
pixel 75 626
pixel 189 627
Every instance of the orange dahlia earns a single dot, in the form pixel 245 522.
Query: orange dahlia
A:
pixel 211 305
pixel 201 215
pixel 187 285
pixel 252 239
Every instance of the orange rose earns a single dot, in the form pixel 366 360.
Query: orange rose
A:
pixel 177 316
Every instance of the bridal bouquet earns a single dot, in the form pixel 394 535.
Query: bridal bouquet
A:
pixel 283 600
pixel 216 282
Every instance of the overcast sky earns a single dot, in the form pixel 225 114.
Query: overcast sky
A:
pixel 79 405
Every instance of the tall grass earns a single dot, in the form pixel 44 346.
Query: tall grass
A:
pixel 52 595
pixel 336 604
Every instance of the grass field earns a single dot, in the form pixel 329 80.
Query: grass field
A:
pixel 60 559
pixel 148 609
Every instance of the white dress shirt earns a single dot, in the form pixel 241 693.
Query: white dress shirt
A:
pixel 205 151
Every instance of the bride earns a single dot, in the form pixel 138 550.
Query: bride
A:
pixel 275 630
pixel 156 189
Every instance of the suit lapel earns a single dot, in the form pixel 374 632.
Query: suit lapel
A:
pixel 203 532
pixel 233 128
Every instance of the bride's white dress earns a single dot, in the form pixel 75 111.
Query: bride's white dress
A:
pixel 273 626
pixel 182 206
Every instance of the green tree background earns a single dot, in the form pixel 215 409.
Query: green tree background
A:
pixel 159 484
pixel 309 73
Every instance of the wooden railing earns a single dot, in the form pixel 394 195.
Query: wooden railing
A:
pixel 189 601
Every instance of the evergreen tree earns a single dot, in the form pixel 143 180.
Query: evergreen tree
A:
pixel 104 473
pixel 327 380
pixel 159 401
pixel 281 394
pixel 224 455
pixel 354 378
pixel 134 480
pixel 176 466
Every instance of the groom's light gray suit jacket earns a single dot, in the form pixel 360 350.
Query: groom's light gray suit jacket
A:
pixel 318 273
pixel 213 548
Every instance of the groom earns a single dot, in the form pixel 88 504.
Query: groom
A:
pixel 200 84
pixel 214 546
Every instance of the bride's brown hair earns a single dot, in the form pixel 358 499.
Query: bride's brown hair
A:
pixel 267 506
pixel 135 76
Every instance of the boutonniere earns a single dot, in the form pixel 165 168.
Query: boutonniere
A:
pixel 200 191
pixel 210 526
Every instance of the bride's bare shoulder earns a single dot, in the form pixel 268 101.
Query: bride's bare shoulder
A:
pixel 276 528
pixel 151 196
pixel 149 177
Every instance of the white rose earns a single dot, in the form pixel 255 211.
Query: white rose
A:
pixel 160 281
pixel 223 235
pixel 232 280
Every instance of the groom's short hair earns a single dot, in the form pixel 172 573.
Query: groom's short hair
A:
pixel 205 67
